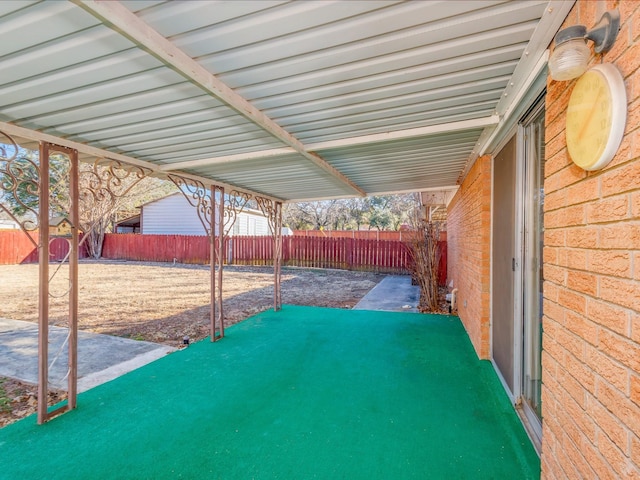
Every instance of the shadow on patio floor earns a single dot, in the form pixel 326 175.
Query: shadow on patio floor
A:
pixel 302 393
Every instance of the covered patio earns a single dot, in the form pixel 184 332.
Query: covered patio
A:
pixel 286 101
pixel 268 101
pixel 300 393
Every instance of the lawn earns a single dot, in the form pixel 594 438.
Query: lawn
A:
pixel 163 302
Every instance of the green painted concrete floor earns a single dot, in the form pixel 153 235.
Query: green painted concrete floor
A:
pixel 305 393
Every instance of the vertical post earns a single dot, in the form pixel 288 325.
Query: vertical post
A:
pixel 220 259
pixel 277 256
pixel 43 285
pixel 212 264
pixel 74 193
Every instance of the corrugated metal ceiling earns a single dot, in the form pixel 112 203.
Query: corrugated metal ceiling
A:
pixel 344 97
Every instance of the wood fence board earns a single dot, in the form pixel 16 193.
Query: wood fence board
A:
pixel 384 256
pixel 16 248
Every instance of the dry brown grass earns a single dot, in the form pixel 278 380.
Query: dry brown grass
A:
pixel 162 302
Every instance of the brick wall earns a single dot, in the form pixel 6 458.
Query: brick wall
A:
pixel 468 235
pixel 591 343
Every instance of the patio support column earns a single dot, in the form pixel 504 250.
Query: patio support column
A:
pixel 277 256
pixel 210 212
pixel 74 214
pixel 220 224
pixel 43 284
pixel 272 209
pixel 212 263
pixel 44 279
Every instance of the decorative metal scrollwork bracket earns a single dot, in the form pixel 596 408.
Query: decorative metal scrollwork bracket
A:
pixel 19 178
pixel 199 197
pixel 234 204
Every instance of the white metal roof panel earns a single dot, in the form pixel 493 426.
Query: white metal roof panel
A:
pixel 129 80
pixel 426 161
pixel 280 172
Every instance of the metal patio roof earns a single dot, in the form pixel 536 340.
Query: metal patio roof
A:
pixel 292 100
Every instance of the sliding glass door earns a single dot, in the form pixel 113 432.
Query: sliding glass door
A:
pixel 532 274
pixel 518 203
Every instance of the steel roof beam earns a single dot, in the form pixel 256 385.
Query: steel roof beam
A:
pixel 406 134
pixel 117 16
pixel 207 162
pixel 342 143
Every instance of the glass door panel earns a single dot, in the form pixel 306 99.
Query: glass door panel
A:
pixel 532 271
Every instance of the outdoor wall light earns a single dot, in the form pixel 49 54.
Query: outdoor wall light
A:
pixel 571 55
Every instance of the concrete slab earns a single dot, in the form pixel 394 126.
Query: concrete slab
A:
pixel 394 294
pixel 100 357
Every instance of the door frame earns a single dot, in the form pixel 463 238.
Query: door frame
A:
pixel 531 420
pixel 528 417
pixel 506 139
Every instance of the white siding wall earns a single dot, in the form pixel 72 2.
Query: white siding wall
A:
pixel 8 225
pixel 249 223
pixel 173 215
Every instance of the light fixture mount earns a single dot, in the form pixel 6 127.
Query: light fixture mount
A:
pixel 571 54
pixel 570 33
pixel 604 33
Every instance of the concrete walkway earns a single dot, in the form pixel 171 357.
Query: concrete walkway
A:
pixel 100 357
pixel 393 294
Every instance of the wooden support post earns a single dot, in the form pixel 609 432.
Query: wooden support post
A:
pixel 43 298
pixel 74 215
pixel 43 285
pixel 220 260
pixel 212 264
pixel 277 256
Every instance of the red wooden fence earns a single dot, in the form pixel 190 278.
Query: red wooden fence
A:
pixel 360 234
pixel 343 253
pixel 157 248
pixel 384 256
pixel 15 247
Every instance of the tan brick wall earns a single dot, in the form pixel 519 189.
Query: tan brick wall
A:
pixel 468 256
pixel 591 343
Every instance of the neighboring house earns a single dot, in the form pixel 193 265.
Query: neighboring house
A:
pixel 6 224
pixel 128 225
pixel 250 222
pixel 174 215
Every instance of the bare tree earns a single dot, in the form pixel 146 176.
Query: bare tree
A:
pixel 312 215
pixel 109 193
pixel 358 210
pixel 425 255
pixel 401 208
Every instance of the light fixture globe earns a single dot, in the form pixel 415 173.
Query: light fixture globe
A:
pixel 570 58
pixel 571 55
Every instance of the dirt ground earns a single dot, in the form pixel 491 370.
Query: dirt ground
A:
pixel 159 303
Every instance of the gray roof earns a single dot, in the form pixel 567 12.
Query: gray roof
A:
pixel 292 100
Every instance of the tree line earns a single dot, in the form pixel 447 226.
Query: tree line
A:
pixel 388 212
